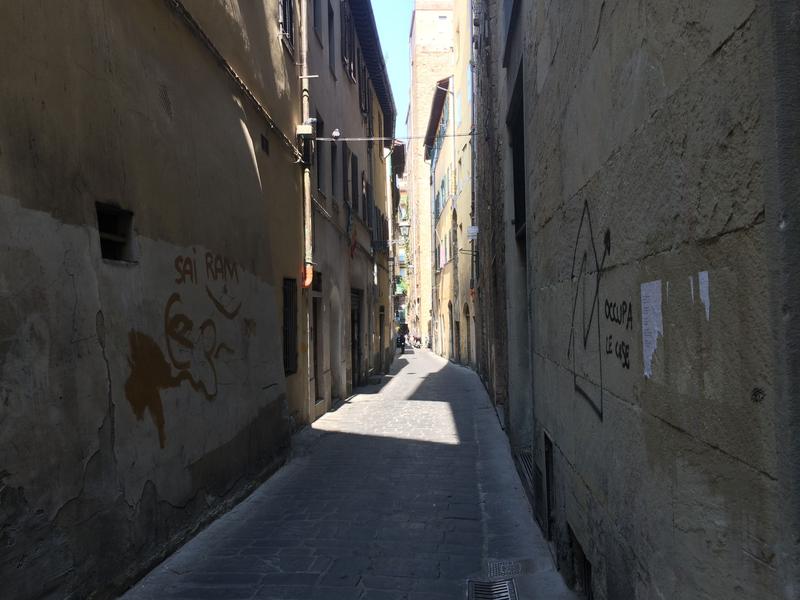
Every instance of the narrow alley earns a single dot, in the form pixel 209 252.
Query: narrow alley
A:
pixel 407 490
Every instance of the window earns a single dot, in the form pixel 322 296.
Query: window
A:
pixel 363 85
pixel 287 22
pixel 289 326
pixel 370 202
pixel 346 174
pixel 509 10
pixel 454 236
pixel 516 135
pixel 115 226
pixel 348 41
pixel 356 188
pixel 320 157
pixel 334 168
pixel 318 18
pixel 331 41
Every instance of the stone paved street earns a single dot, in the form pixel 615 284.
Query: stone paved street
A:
pixel 405 491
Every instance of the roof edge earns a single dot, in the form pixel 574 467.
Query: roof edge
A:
pixel 437 106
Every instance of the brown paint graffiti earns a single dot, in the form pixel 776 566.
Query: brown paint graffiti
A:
pixel 191 351
pixel 150 373
pixel 180 336
pixel 229 312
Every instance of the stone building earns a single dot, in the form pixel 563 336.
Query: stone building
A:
pixel 400 230
pixel 350 309
pixel 431 57
pixel 448 148
pixel 634 212
pixel 156 244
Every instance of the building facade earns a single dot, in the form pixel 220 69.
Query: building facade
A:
pixel 161 326
pixel 448 150
pixel 630 155
pixel 400 250
pixel 350 314
pixel 431 56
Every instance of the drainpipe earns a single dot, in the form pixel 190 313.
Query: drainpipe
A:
pixel 782 88
pixel 308 226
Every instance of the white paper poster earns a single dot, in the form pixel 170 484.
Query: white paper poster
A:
pixel 652 325
pixel 702 277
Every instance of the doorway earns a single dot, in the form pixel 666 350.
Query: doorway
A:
pixel 551 496
pixel 381 338
pixel 316 345
pixel 355 337
pixel 335 344
pixel 457 340
pixel 468 345
pixel 451 325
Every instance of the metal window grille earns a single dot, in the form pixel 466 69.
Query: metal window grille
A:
pixel 287 21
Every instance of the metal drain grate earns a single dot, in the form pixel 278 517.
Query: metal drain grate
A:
pixel 503 568
pixel 492 590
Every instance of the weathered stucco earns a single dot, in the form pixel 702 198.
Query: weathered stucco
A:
pixel 348 251
pixel 431 56
pixel 645 153
pixel 138 398
pixel 453 279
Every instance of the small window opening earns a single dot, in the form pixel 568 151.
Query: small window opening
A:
pixel 264 144
pixel 115 226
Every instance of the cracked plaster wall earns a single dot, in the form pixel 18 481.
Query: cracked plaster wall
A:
pixel 136 400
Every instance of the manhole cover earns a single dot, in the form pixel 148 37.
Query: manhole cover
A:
pixel 503 568
pixel 492 590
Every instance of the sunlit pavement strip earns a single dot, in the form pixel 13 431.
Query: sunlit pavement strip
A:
pixel 406 491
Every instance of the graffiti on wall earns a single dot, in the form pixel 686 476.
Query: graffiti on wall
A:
pixel 194 316
pixel 619 315
pixel 586 349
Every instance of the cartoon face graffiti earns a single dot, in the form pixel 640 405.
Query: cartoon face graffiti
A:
pixel 191 339
pixel 193 349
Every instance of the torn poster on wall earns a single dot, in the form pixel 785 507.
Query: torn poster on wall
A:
pixel 705 298
pixel 652 324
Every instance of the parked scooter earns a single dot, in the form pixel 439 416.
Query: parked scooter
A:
pixel 401 343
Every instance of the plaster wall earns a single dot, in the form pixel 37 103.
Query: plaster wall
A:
pixel 142 397
pixel 431 48
pixel 453 285
pixel 343 251
pixel 491 325
pixel 650 332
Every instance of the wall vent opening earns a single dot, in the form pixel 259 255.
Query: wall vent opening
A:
pixel 115 226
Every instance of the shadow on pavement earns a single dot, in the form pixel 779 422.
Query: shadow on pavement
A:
pixel 383 499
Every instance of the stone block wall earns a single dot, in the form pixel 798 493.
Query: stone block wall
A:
pixel 646 267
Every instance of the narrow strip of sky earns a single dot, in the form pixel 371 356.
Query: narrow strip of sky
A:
pixel 394 24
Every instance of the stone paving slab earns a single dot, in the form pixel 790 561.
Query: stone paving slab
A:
pixel 402 493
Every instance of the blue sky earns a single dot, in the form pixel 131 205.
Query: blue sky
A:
pixel 394 24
